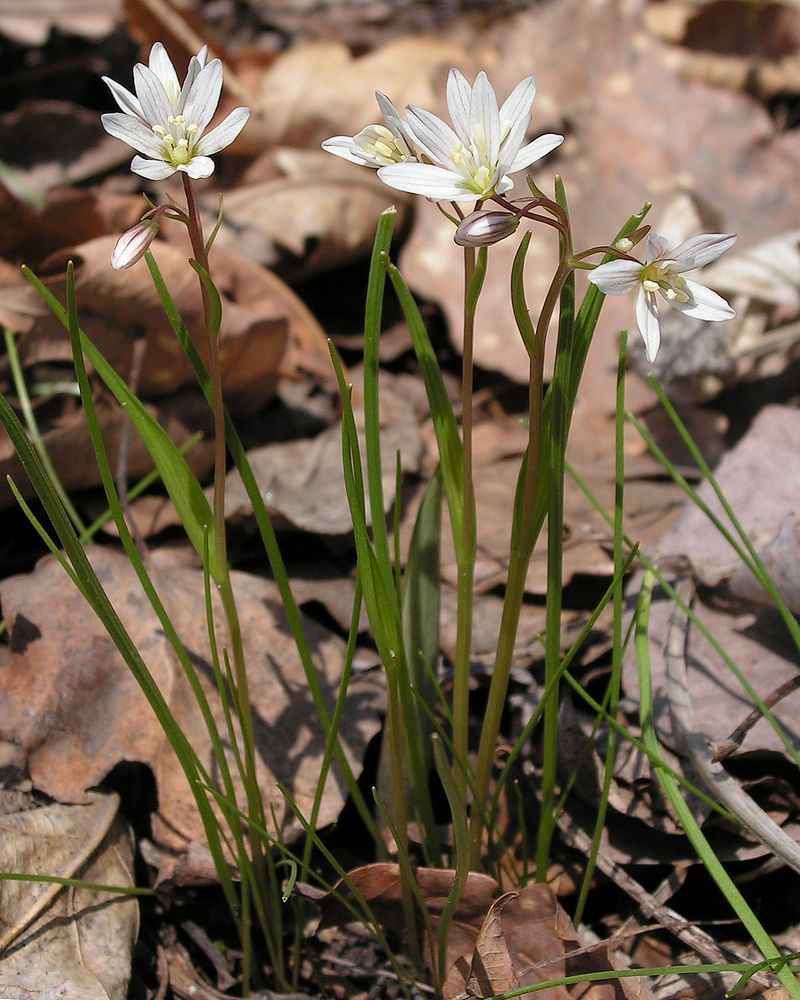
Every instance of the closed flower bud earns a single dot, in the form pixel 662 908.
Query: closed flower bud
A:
pixel 481 229
pixel 133 244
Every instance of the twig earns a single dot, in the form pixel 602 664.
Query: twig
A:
pixel 695 745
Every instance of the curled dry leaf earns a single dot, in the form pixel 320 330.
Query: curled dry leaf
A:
pixel 493 945
pixel 314 218
pixel 58 941
pixel 74 707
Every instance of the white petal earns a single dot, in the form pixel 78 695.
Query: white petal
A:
pixel 390 113
pixel 536 150
pixel 704 304
pixel 156 105
pixel 224 133
pixel 701 250
pixel 124 98
pixel 483 111
pixel 435 137
pixel 519 101
pixel 203 100
pixel 617 277
pixel 426 179
pixel 647 321
pixel 195 65
pixel 161 64
pixel 198 166
pixel 153 170
pixel 134 132
pixel 510 146
pixel 459 94
pixel 343 145
pixel 656 248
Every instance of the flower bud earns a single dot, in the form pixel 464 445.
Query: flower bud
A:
pixel 481 229
pixel 133 244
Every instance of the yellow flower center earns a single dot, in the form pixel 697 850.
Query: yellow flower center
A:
pixel 178 137
pixel 661 278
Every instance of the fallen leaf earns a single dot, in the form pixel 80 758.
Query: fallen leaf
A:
pixel 57 940
pixel 73 705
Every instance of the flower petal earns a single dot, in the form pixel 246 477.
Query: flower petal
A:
pixel 647 321
pixel 224 133
pixel 134 132
pixel 156 105
pixel 343 145
pixel 518 103
pixel 701 250
pixel 617 277
pixel 656 248
pixel 125 99
pixel 196 63
pixel 204 97
pixel 510 146
pixel 198 166
pixel 435 137
pixel 161 64
pixel 153 170
pixel 459 95
pixel 426 179
pixel 484 113
pixel 704 304
pixel 536 150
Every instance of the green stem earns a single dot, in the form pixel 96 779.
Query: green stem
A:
pixel 466 564
pixel 242 691
pixel 521 549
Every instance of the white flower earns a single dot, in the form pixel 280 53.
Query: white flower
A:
pixel 473 158
pixel 482 229
pixel 133 244
pixel 166 121
pixel 662 274
pixel 376 145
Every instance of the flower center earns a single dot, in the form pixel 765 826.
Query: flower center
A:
pixel 179 138
pixel 661 278
pixel 380 145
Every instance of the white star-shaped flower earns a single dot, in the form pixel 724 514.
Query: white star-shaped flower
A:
pixel 473 158
pixel 376 145
pixel 165 120
pixel 661 274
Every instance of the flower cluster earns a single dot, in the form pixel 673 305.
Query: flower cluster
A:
pixel 165 120
pixel 468 160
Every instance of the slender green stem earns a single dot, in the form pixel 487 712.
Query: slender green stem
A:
pixel 466 564
pixel 241 693
pixel 522 543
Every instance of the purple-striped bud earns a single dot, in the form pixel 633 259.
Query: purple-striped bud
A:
pixel 481 229
pixel 133 244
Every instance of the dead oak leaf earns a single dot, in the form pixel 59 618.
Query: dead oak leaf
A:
pixel 73 705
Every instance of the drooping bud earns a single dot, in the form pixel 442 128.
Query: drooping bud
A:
pixel 133 244
pixel 481 229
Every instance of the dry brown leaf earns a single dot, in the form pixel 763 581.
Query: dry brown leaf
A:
pixel 780 559
pixel 31 25
pixel 69 445
pixel 313 218
pixel 266 331
pixel 51 143
pixel 769 456
pixel 75 708
pixel 60 941
pixel 524 936
pixel 293 103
